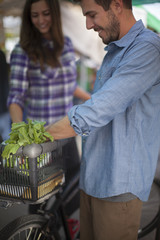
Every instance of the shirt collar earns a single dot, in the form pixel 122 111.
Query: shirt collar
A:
pixel 129 37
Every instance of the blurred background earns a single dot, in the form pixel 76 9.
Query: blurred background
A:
pixel 88 46
pixel 90 52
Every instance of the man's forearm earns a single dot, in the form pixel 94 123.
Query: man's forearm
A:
pixel 61 129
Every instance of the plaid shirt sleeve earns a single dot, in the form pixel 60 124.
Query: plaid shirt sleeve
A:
pixel 69 62
pixel 18 77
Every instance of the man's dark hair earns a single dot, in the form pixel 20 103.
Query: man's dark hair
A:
pixel 106 3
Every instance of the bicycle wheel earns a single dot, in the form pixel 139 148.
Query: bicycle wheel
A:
pixel 150 219
pixel 28 227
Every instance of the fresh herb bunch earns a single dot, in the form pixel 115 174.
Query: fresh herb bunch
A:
pixel 23 134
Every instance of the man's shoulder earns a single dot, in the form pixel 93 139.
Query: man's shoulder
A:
pixel 149 36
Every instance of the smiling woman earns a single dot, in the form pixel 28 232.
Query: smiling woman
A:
pixel 43 71
pixel 41 18
pixel 45 59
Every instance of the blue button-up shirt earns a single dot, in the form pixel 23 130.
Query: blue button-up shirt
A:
pixel 120 124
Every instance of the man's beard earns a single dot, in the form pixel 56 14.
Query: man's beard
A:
pixel 112 30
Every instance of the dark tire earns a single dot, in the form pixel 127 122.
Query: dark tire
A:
pixel 150 220
pixel 27 228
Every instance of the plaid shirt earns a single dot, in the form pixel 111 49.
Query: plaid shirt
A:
pixel 48 93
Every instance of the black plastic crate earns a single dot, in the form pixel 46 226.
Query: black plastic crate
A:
pixel 33 173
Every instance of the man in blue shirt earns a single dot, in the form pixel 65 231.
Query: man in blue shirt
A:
pixel 119 125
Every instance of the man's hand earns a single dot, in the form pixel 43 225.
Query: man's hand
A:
pixel 61 129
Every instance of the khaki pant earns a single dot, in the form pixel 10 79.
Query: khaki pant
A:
pixel 104 220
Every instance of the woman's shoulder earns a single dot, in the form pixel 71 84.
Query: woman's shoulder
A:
pixel 18 49
pixel 19 53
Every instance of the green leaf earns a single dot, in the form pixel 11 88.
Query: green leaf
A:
pixel 47 135
pixel 18 125
pixel 23 134
pixel 10 149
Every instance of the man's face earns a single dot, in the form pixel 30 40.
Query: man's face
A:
pixel 104 22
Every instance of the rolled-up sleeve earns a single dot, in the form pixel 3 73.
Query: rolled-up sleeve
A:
pixel 77 122
pixel 136 74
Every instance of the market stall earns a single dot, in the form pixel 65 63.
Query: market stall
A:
pixel 152 9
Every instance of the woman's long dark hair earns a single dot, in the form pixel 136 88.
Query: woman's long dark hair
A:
pixel 31 38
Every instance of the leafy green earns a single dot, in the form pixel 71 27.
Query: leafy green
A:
pixel 23 134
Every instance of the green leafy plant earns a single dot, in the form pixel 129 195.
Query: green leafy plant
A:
pixel 23 134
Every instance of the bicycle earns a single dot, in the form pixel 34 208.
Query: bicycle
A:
pixel 39 170
pixel 51 217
